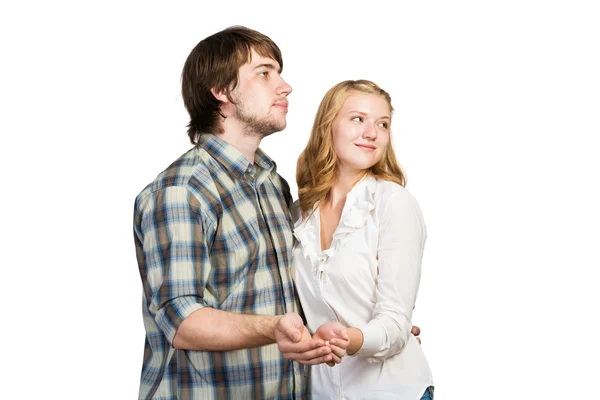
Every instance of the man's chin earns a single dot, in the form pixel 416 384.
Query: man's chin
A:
pixel 274 129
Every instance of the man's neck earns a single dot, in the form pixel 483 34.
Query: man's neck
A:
pixel 246 144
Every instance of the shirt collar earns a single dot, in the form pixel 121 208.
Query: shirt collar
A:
pixel 234 161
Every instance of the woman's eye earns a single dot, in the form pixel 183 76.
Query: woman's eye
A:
pixel 359 119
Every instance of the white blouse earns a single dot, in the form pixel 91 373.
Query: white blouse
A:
pixel 367 279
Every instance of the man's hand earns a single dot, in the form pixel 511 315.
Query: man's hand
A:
pixel 416 331
pixel 336 337
pixel 294 342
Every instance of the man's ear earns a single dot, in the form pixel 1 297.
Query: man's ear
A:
pixel 220 95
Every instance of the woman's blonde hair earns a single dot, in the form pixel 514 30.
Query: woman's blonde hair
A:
pixel 316 167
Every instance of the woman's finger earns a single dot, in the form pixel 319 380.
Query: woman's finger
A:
pixel 338 352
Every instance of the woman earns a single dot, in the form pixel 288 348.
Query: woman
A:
pixel 361 237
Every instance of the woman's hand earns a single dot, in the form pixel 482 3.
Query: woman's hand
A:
pixel 295 343
pixel 335 335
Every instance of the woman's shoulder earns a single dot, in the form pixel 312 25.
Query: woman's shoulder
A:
pixel 388 193
pixel 386 189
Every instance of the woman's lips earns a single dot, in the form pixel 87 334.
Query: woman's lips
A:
pixel 366 147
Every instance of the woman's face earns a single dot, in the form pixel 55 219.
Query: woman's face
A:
pixel 361 131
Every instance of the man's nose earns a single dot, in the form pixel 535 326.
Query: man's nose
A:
pixel 283 88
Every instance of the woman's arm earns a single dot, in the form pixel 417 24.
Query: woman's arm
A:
pixel 402 236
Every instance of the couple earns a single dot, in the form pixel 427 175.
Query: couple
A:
pixel 239 297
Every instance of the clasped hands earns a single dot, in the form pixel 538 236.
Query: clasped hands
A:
pixel 327 345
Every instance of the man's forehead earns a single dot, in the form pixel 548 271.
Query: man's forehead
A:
pixel 258 60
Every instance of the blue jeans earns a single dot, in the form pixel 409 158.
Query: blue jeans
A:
pixel 428 395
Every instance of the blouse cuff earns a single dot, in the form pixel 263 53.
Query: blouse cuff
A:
pixel 374 339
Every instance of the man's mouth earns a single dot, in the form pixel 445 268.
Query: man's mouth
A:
pixel 281 104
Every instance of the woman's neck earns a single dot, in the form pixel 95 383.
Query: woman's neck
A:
pixel 343 184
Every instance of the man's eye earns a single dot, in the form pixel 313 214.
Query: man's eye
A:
pixel 264 73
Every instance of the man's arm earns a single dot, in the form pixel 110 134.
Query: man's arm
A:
pixel 416 331
pixel 173 254
pixel 209 329
pixel 173 250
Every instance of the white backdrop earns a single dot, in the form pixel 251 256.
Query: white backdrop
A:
pixel 497 116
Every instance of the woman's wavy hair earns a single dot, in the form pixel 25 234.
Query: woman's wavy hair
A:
pixel 316 167
pixel 215 63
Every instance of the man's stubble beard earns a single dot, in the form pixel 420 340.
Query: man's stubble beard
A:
pixel 255 126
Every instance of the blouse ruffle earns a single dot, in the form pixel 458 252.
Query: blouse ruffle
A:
pixel 360 202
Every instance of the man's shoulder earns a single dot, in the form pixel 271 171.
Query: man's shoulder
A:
pixel 296 211
pixel 189 171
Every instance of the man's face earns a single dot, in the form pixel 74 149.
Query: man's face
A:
pixel 261 97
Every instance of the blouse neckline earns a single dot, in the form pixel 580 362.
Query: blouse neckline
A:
pixel 359 204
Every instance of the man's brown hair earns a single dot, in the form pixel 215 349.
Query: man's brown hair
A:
pixel 214 64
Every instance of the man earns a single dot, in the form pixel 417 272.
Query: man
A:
pixel 214 236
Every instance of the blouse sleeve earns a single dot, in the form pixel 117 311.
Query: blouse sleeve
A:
pixel 402 236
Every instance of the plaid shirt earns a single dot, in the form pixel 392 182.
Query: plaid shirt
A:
pixel 214 230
